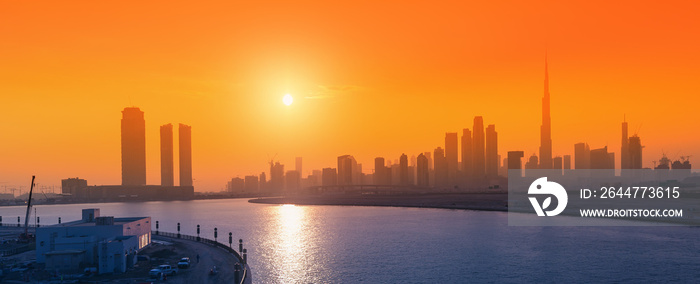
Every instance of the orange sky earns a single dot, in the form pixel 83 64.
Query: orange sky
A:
pixel 369 79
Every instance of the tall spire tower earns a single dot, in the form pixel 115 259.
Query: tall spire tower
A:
pixel 546 128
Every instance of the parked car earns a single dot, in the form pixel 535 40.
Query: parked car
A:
pixel 184 263
pixel 164 269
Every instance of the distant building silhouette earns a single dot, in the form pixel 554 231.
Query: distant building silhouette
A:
pixel 567 162
pixel 431 171
pixel 276 176
pixel 166 155
pixel 347 168
pixel 631 154
pixel 467 161
pixel 478 151
pixel 635 152
pixel 515 160
pixel 412 167
pixel 531 164
pixel 441 175
pixel 557 163
pixel 297 166
pixel 429 156
pixel 357 176
pixel 503 167
pixel 582 156
pixel 133 147
pixel 329 177
pixel 625 151
pixel 315 178
pixel 236 185
pixel 403 167
pixel 491 152
pixel 292 181
pixel 262 182
pixel 251 183
pixel 451 156
pixel 664 163
pixel 185 133
pixel 395 174
pixel 380 172
pixel 73 187
pixel 602 159
pixel 422 171
pixel 682 165
pixel 546 128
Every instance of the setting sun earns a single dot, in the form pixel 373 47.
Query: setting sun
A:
pixel 287 99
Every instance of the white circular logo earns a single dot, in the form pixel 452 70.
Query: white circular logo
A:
pixel 542 186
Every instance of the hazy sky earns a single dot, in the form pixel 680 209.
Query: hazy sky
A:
pixel 369 78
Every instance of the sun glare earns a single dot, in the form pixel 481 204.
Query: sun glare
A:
pixel 287 99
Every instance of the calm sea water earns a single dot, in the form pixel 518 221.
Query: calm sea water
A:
pixel 334 244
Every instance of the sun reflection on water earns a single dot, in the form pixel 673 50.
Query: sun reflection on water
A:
pixel 291 240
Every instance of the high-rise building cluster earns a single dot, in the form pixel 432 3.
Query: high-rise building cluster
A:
pixel 471 161
pixel 133 162
pixel 134 150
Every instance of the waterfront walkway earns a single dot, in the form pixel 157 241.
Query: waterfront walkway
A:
pixel 209 256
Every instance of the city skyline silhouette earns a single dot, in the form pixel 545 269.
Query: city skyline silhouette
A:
pixel 365 88
pixel 269 141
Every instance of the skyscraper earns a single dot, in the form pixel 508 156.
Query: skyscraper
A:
pixel 251 183
pixel 276 176
pixel 478 150
pixel 133 147
pixel 166 155
pixel 602 159
pixel 429 156
pixel 380 172
pixel 557 163
pixel 491 151
pixel 515 161
pixel 329 177
pixel 403 174
pixel 347 168
pixel 546 128
pixel 422 171
pixel 297 166
pixel 440 168
pixel 625 151
pixel 263 181
pixel 467 163
pixel 582 156
pixel 185 140
pixel 451 155
pixel 635 152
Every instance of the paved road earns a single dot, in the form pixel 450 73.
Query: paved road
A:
pixel 210 256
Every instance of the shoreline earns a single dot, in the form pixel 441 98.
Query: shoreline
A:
pixel 458 201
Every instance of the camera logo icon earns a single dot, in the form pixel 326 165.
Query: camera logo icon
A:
pixel 542 186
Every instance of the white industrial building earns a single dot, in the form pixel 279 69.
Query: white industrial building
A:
pixel 108 243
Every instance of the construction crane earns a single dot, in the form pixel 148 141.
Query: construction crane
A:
pixel 26 236
pixel 272 163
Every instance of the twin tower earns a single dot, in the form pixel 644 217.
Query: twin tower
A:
pixel 134 151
